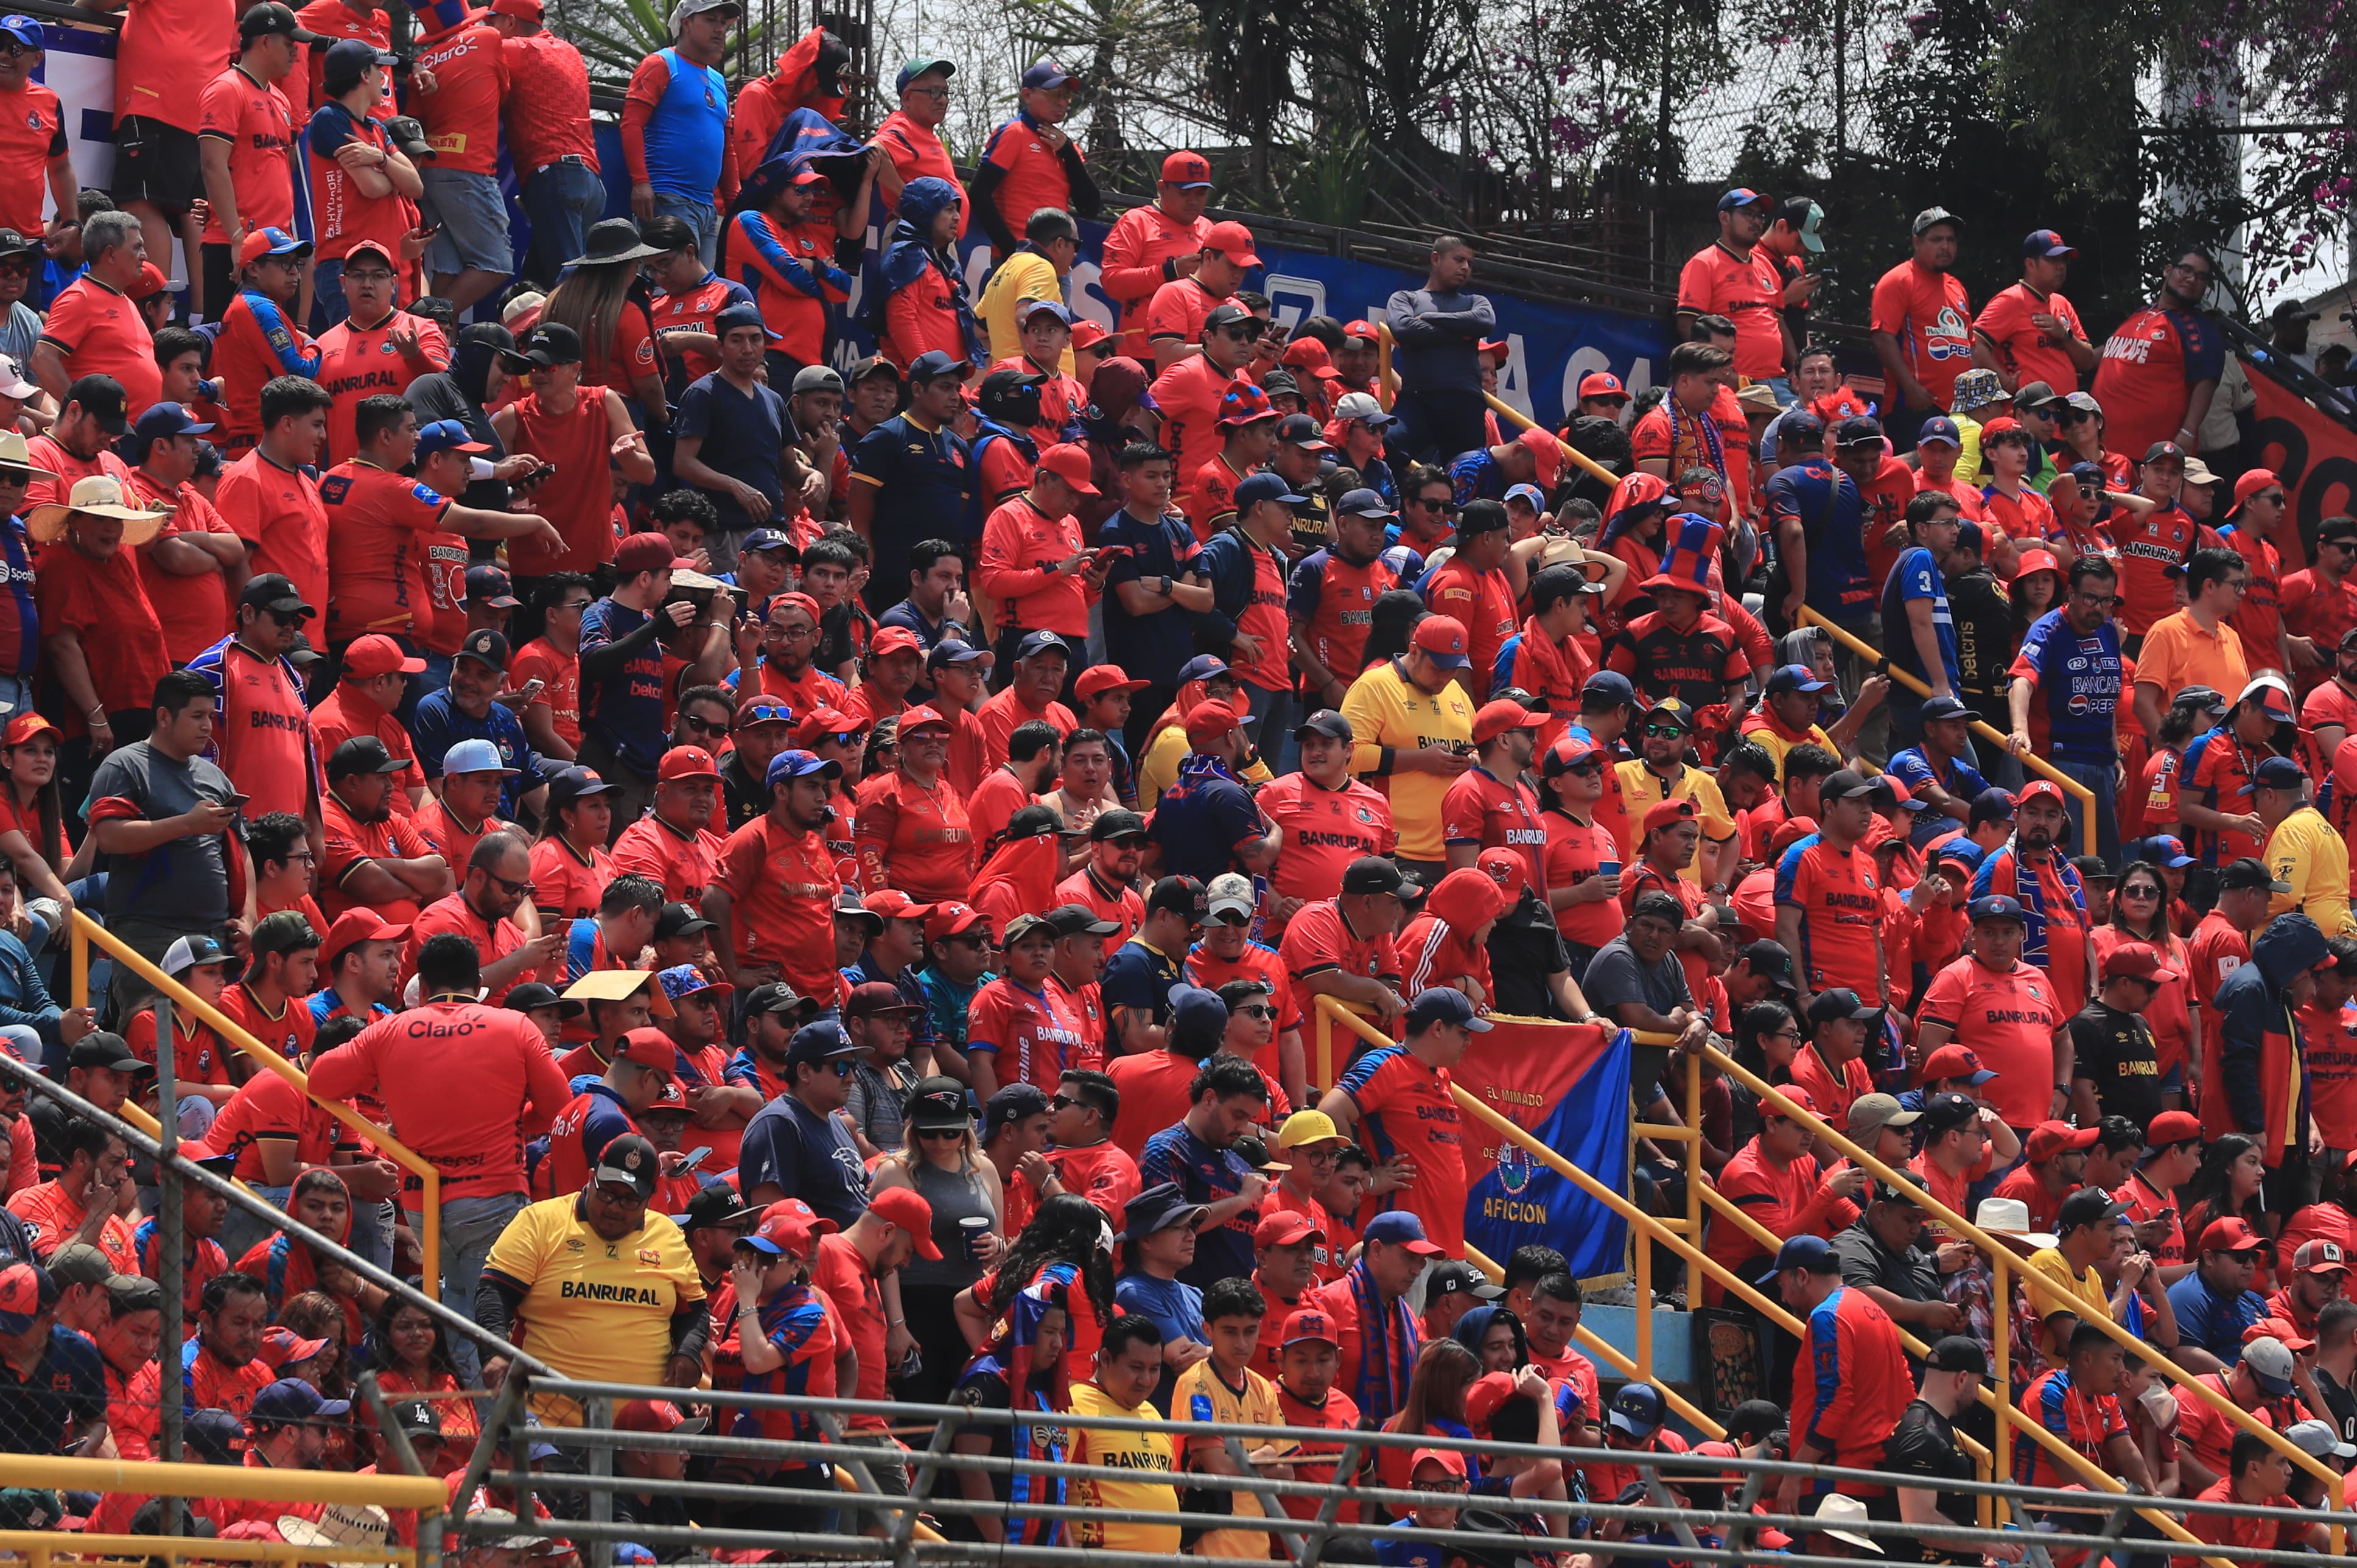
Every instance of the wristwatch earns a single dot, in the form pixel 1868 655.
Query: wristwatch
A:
pixel 1166 584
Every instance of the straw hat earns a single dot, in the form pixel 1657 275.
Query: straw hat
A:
pixel 101 495
pixel 16 454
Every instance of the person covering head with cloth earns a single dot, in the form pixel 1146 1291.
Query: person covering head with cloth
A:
pixel 605 1289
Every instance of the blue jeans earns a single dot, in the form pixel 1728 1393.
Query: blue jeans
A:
pixel 700 216
pixel 560 201
pixel 470 1227
pixel 240 1230
pixel 2102 778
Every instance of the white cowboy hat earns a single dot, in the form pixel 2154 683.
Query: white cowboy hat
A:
pixel 101 495
pixel 2009 1217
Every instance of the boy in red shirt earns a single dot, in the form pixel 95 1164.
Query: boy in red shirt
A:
pixel 1397 1097
pixel 771 895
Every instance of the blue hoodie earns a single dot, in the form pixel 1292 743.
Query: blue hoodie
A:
pixel 911 250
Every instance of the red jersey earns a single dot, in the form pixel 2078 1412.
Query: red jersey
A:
pixel 1789 1199
pixel 2024 352
pixel 104 604
pixel 350 841
pixel 1122 905
pixel 1488 812
pixel 781 889
pixel 1189 395
pixel 357 362
pixel 567 884
pixel 1555 672
pixel 461 115
pixel 2150 366
pixel 1323 831
pixel 1837 895
pixel 916 151
pixel 1032 1034
pixel 1483 604
pixel 1405 1108
pixel 1002 713
pixel 792 276
pixel 1021 548
pixel 1031 177
pixel 193 611
pixel 346 714
pixel 2009 1019
pixel 547 104
pixel 2219 948
pixel 2259 614
pixel 100 331
pixel 333 19
pixel 2085 1423
pixel 1576 851
pixel 262 732
pixel 1930 316
pixel 342 214
pixel 1331 602
pixel 560 677
pixel 1319 938
pixel 1176 313
pixel 1256 963
pixel 258 124
pixel 1138 252
pixel 1151 1083
pixel 1748 291
pixel 163 57
pixel 288 1031
pixel 2320 611
pixel 377 521
pixel 684 863
pixel 278 513
pixel 914 839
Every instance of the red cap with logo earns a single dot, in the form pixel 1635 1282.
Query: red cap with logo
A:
pixel 1285 1229
pixel 1211 719
pixel 2138 961
pixel 1311 1324
pixel 1099 678
pixel 2041 790
pixel 906 1208
pixel 893 640
pixel 1069 461
pixel 1501 714
pixel 2231 1234
pixel 2048 1139
pixel 649 1048
pixel 686 762
pixel 1188 171
pixel 377 654
pixel 1233 240
pixel 1442 637
pixel 1669 813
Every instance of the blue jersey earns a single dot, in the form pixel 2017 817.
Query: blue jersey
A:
pixel 2078 676
pixel 1915 575
pixel 1825 503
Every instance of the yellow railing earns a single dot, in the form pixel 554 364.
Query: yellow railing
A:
pixel 39 1550
pixel 2035 763
pixel 87 930
pixel 2042 1289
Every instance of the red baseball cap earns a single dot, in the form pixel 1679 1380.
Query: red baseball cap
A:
pixel 1087 334
pixel 25 726
pixel 377 654
pixel 1099 678
pixel 787 1225
pixel 649 1048
pixel 820 722
pixel 2320 1257
pixel 1188 171
pixel 1497 717
pixel 1506 868
pixel 2041 788
pixel 646 552
pixel 1069 461
pixel 1211 719
pixel 1442 637
pixel 893 640
pixel 894 905
pixel 906 1208
pixel 2231 1234
pixel 1547 454
pixel 2252 482
pixel 922 718
pixel 1311 1324
pixel 1448 1460
pixel 1601 383
pixel 1233 240
pixel 2048 1139
pixel 1483 1395
pixel 1797 1096
pixel 1284 1230
pixel 1960 1061
pixel 947 919
pixel 2138 959
pixel 2172 1127
pixel 654 1415
pixel 686 762
pixel 1359 327
pixel 1663 813
pixel 357 926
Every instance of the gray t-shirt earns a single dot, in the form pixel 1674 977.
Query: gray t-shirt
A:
pixel 1437 339
pixel 1617 975
pixel 19 334
pixel 180 886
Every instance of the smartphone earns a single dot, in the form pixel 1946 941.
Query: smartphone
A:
pixel 1114 552
pixel 427 231
pixel 237 802
pixel 545 472
pixel 696 1158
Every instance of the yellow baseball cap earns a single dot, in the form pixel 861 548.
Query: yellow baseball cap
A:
pixel 1307 1127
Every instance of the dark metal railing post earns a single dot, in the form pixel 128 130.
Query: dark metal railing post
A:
pixel 170 1245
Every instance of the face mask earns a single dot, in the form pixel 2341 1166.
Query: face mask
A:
pixel 2160 1404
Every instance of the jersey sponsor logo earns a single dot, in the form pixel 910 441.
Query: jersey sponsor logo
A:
pixel 621 1295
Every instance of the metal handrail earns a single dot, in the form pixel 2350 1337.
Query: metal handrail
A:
pixel 259 1483
pixel 39 1549
pixel 1986 731
pixel 2040 1287
pixel 87 930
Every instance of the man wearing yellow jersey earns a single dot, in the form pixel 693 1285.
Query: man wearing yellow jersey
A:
pixel 1414 726
pixel 1129 1365
pixel 1223 1388
pixel 2304 851
pixel 1659 773
pixel 596 1286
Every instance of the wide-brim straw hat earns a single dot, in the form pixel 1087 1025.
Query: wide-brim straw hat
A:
pixel 99 494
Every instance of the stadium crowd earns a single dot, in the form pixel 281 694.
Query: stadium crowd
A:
pixel 832 856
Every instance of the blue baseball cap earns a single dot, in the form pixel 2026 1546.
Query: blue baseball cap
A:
pixel 1609 687
pixel 737 315
pixel 26 31
pixel 768 539
pixel 955 651
pixel 933 364
pixel 162 421
pixel 1963 850
pixel 1264 486
pixel 1444 1005
pixel 275 242
pixel 1531 494
pixel 1202 667
pixel 2091 475
pixel 476 756
pixel 1055 307
pixel 448 436
pixel 1940 427
pixel 1740 196
pixel 2162 849
pixel 1789 678
pixel 2280 773
pixel 1047 75
pixel 1995 906
pixel 1637 1410
pixel 1969 536
pixel 686 980
pixel 1400 1229
pixel 292 1399
pixel 2046 243
pixel 800 765
pixel 1814 1253
pixel 1943 708
pixel 1041 642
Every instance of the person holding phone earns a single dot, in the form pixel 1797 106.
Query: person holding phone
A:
pixel 1033 565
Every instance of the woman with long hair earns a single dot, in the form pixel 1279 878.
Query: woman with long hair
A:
pixel 1390 624
pixel 2140 914
pixel 610 308
pixel 1434 1407
pixel 1583 851
pixel 314 1316
pixel 33 833
pixel 411 1357
pixel 1767 1038
pixel 942 1159
pixel 1069 1244
pixel 2228 1185
pixel 2193 712
pixel 2037 588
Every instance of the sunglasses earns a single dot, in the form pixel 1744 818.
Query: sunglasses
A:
pixel 2137 893
pixel 1665 730
pixel 523 889
pixel 843 737
pixel 1447 508
pixel 1591 768
pixel 1258 1010
pixel 704 726
pixel 926 1134
pixel 1240 332
pixel 842 1066
pixel 2272 498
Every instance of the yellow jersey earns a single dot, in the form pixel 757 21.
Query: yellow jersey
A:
pixel 1389 713
pixel 2088 1288
pixel 595 1309
pixel 1146 1452
pixel 1201 1394
pixel 1022 277
pixel 2305 852
pixel 1643 789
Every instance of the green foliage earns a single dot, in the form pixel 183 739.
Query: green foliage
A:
pixel 614 36
pixel 1328 180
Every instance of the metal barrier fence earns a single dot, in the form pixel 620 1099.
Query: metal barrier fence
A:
pixel 874 1525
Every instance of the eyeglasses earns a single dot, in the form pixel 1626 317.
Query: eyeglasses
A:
pixel 2201 275
pixel 2072 416
pixel 2337 544
pixel 13 49
pixel 795 634
pixel 571 606
pixel 1451 1486
pixel 1258 1010
pixel 941 94
pixel 368 275
pixel 2092 603
pixel 1665 730
pixel 2236 585
pixel 704 726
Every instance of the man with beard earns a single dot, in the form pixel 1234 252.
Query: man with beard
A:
pixel 375 859
pixel 1489 806
pixel 485 911
pixel 771 896
pixel 468 709
pixel 2160 367
pixel 2035 871
pixel 1106 884
pixel 1659 773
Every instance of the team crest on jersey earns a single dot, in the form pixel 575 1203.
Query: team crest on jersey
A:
pixel 385 346
pixel 33 118
pixel 1366 816
pixel 650 1256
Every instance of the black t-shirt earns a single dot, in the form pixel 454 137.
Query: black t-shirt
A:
pixel 1924 1443
pixel 1526 952
pixel 2341 1404
pixel 1984 622
pixel 2115 1050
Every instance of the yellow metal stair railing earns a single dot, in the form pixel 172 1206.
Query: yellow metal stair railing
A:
pixel 87 930
pixel 2042 1289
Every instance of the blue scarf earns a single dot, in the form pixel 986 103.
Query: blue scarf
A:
pixel 2031 894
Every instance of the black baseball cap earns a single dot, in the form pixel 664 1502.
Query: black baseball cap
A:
pixel 1840 1003
pixel 1958 1353
pixel 1074 920
pixel 271 591
pixel 1180 895
pixel 715 1205
pixel 2088 1206
pixel 486 647
pixel 101 398
pixel 1325 722
pixel 259 21
pixel 2250 876
pixel 1453 1278
pixel 362 753
pixel 680 920
pixel 1768 960
pixel 1946 1111
pixel 1372 874
pixel 531 996
pixel 1117 823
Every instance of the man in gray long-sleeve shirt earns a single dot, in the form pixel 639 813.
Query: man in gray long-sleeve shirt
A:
pixel 1439 331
